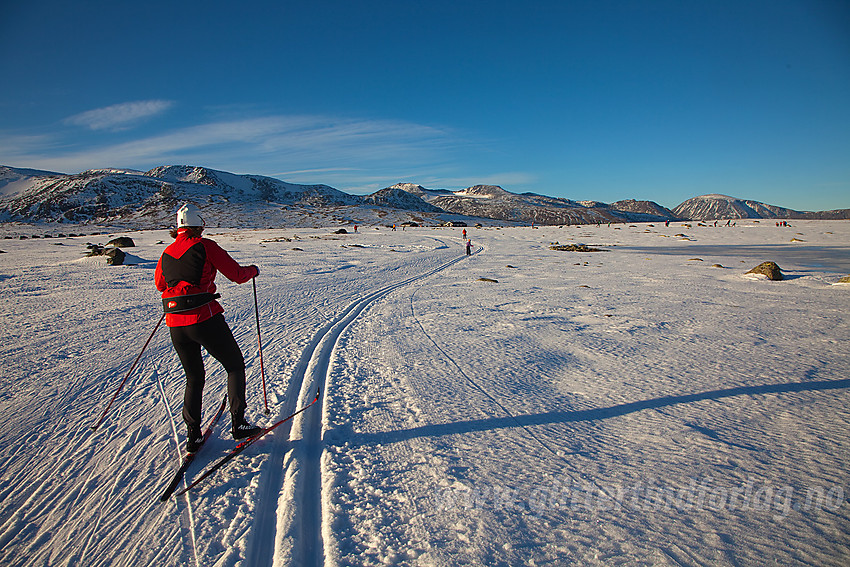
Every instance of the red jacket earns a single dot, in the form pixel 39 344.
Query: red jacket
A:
pixel 188 266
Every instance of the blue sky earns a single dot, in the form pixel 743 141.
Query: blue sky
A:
pixel 601 100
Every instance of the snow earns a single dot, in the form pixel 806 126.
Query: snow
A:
pixel 113 171
pixel 639 406
pixel 479 196
pixel 716 196
pixel 15 181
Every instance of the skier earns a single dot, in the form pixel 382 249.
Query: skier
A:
pixel 185 275
pixel 469 247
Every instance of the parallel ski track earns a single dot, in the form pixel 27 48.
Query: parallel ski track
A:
pixel 475 384
pixel 303 463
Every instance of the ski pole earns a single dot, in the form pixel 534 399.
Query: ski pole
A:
pixel 260 344
pixel 121 385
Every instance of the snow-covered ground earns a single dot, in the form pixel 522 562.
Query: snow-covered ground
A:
pixel 639 406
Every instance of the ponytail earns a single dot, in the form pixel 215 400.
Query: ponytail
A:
pixel 191 231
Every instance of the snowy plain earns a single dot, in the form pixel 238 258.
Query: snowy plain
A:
pixel 646 405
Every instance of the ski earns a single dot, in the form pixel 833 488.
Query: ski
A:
pixel 244 445
pixel 187 460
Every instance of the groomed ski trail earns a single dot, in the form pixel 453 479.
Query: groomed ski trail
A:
pixel 296 523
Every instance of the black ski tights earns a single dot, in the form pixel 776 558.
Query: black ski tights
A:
pixel 215 336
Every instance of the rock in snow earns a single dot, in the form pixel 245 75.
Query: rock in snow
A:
pixel 769 269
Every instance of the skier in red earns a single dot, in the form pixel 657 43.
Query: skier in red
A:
pixel 185 275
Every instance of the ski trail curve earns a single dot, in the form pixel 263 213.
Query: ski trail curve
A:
pixel 293 475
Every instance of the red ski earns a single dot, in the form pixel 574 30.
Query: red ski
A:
pixel 187 460
pixel 244 445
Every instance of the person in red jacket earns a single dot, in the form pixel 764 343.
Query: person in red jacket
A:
pixel 185 275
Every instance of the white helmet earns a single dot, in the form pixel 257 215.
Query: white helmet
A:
pixel 189 215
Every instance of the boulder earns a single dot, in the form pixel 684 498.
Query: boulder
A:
pixel 114 256
pixel 121 242
pixel 769 269
pixel 574 248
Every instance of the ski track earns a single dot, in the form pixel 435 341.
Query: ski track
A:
pixel 189 512
pixel 302 539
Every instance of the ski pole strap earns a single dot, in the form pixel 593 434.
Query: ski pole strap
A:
pixel 186 302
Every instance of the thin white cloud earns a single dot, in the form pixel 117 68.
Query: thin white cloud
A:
pixel 350 154
pixel 323 170
pixel 273 143
pixel 118 116
pixel 12 144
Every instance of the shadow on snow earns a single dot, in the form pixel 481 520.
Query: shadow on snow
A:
pixel 587 415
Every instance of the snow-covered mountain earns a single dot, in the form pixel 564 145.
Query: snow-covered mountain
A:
pixel 492 201
pixel 148 199
pixel 144 199
pixel 713 207
pixel 421 192
pixel 642 207
pixel 397 198
pixel 111 195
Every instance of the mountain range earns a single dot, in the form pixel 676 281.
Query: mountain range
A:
pixel 138 199
pixel 715 207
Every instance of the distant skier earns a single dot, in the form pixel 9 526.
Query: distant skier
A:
pixel 464 234
pixel 185 275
